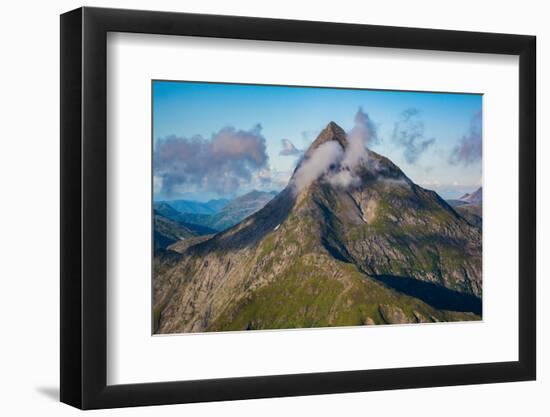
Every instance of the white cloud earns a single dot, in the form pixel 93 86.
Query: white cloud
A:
pixel 327 154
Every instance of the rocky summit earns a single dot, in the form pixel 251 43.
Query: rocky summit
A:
pixel 357 244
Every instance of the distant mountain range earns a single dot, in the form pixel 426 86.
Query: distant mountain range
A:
pixel 222 214
pixel 196 207
pixel 469 206
pixel 474 198
pixel 168 232
pixel 169 227
pixel 360 244
pixel 232 213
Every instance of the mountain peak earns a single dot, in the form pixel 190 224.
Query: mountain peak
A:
pixel 473 198
pixel 333 126
pixel 332 132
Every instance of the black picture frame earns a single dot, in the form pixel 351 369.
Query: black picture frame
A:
pixel 84 207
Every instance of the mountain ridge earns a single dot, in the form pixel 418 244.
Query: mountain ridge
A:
pixel 329 255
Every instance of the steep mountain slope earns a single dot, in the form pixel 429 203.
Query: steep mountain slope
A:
pixel 167 232
pixel 378 250
pixel 181 245
pixel 469 206
pixel 167 211
pixel 472 213
pixel 198 229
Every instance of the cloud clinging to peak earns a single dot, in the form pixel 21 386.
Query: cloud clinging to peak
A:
pixel 338 164
pixel 320 161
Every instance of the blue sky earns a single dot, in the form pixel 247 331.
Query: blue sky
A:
pixel 192 112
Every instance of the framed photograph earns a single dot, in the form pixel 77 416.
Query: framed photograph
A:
pixel 257 208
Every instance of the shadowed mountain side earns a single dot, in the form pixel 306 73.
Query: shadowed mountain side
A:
pixel 434 295
pixel 164 211
pixel 182 245
pixel 469 206
pixel 251 230
pixel 167 231
pixel 472 213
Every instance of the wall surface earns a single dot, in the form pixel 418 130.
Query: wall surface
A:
pixel 29 168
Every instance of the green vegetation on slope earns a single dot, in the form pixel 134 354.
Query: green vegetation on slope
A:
pixel 321 292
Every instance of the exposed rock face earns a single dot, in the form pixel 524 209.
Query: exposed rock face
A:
pixel 332 132
pixel 383 250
